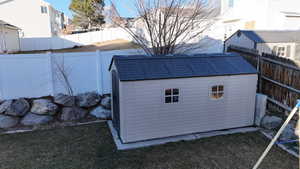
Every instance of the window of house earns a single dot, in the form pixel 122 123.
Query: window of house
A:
pixel 217 92
pixel 44 9
pixel 274 50
pixel 231 3
pixel 282 51
pixel 171 95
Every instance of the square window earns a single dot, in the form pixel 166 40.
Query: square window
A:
pixel 172 95
pixel 217 92
pixel 168 99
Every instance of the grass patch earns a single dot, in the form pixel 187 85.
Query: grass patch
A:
pixel 91 147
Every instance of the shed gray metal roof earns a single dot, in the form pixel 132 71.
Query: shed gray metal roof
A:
pixel 132 68
pixel 272 36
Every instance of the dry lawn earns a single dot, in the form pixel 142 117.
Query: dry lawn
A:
pixel 91 147
pixel 104 46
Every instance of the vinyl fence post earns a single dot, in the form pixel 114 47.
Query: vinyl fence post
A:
pixel 50 60
pixel 99 64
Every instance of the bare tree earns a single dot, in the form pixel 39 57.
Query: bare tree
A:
pixel 170 26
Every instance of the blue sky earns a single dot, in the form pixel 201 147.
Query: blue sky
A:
pixel 123 6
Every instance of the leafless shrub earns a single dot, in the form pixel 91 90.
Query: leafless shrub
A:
pixel 62 75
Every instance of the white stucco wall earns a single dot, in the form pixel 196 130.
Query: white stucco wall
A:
pixel 144 115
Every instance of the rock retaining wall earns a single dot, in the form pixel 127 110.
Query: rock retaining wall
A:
pixel 60 108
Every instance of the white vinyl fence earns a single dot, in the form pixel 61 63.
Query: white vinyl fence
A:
pixel 36 75
pixel 69 41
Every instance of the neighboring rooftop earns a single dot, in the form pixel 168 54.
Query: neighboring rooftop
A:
pixel 272 36
pixel 131 68
pixel 8 25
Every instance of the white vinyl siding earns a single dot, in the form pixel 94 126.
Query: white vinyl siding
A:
pixel 241 41
pixel 144 115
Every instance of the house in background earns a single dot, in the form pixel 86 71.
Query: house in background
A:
pixel 254 15
pixel 36 18
pixel 9 38
pixel 259 15
pixel 157 97
pixel 281 43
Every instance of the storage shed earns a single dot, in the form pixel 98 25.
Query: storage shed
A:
pixel 157 97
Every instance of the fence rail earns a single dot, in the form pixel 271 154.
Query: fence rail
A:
pixel 279 78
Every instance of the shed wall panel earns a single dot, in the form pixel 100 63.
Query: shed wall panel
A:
pixel 146 116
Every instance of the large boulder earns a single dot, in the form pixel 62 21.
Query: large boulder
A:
pixel 271 122
pixel 8 121
pixel 72 113
pixel 33 119
pixel 101 113
pixel 44 107
pixel 106 102
pixel 288 133
pixel 88 99
pixel 18 108
pixel 5 105
pixel 65 100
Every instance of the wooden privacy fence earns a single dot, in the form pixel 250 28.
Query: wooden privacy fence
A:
pixel 279 78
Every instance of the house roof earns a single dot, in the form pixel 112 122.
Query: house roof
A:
pixel 132 68
pixel 272 36
pixel 8 25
